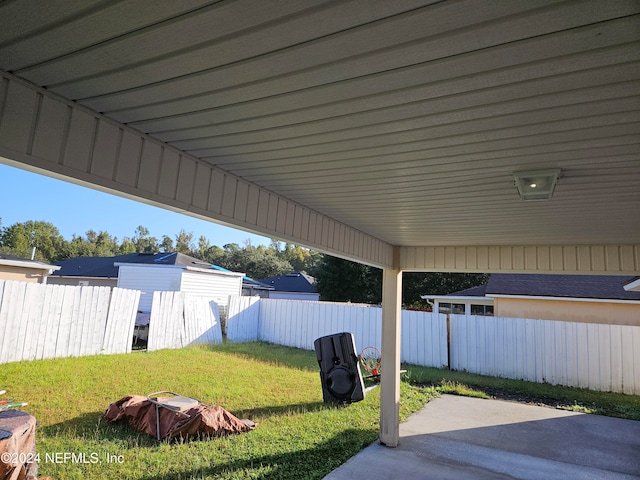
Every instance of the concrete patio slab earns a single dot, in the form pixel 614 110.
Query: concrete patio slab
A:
pixel 456 437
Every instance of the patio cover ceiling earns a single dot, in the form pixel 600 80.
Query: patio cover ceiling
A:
pixel 354 127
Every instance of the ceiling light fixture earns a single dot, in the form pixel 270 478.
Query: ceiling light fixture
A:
pixel 536 184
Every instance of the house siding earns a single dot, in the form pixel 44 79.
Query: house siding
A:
pixel 152 278
pixel 75 281
pixel 294 296
pixel 215 285
pixel 149 279
pixel 612 313
pixel 22 274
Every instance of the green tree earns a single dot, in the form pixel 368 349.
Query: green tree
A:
pixel 414 285
pixel 167 244
pixel 312 263
pixel 126 246
pixel 184 242
pixel 104 244
pixel 258 265
pixel 296 256
pixel 21 238
pixel 202 249
pixel 223 257
pixel 92 245
pixel 144 242
pixel 78 246
pixel 340 280
pixel 212 254
pixel 256 262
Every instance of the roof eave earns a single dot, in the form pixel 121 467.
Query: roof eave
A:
pixel 567 299
pixel 182 267
pixel 633 285
pixel 29 264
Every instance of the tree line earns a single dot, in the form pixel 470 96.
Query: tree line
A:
pixel 336 279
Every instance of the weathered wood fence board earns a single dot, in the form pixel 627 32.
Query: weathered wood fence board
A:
pixel 45 321
pixel 179 319
pixel 585 355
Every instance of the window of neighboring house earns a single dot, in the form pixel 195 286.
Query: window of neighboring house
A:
pixel 83 283
pixel 444 308
pixel 485 310
pixel 457 308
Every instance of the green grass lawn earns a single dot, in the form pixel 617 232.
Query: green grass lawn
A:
pixel 298 436
pixel 566 398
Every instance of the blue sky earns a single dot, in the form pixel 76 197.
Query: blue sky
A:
pixel 75 210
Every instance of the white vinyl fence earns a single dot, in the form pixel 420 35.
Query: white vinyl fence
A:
pixel 594 356
pixel 586 355
pixel 423 339
pixel 297 323
pixel 180 319
pixel 243 316
pixel 40 321
pixel 46 321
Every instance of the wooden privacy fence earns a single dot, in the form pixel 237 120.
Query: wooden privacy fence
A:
pixel 40 321
pixel 180 319
pixel 586 355
pixel 297 323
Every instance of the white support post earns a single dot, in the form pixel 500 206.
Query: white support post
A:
pixel 390 370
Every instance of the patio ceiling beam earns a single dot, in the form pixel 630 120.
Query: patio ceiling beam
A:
pixel 43 132
pixel 567 259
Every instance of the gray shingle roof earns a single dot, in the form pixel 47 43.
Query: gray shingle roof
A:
pixel 574 286
pixel 292 282
pixel 608 287
pixel 472 292
pixel 6 256
pixel 104 267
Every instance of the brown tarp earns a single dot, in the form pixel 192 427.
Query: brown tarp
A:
pixel 17 446
pixel 203 420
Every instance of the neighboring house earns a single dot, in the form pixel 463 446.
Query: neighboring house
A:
pixel 253 288
pixel 24 270
pixel 151 272
pixel 250 287
pixel 471 301
pixel 89 271
pixel 633 285
pixel 574 298
pixel 292 286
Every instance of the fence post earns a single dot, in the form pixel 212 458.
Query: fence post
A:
pixel 449 341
